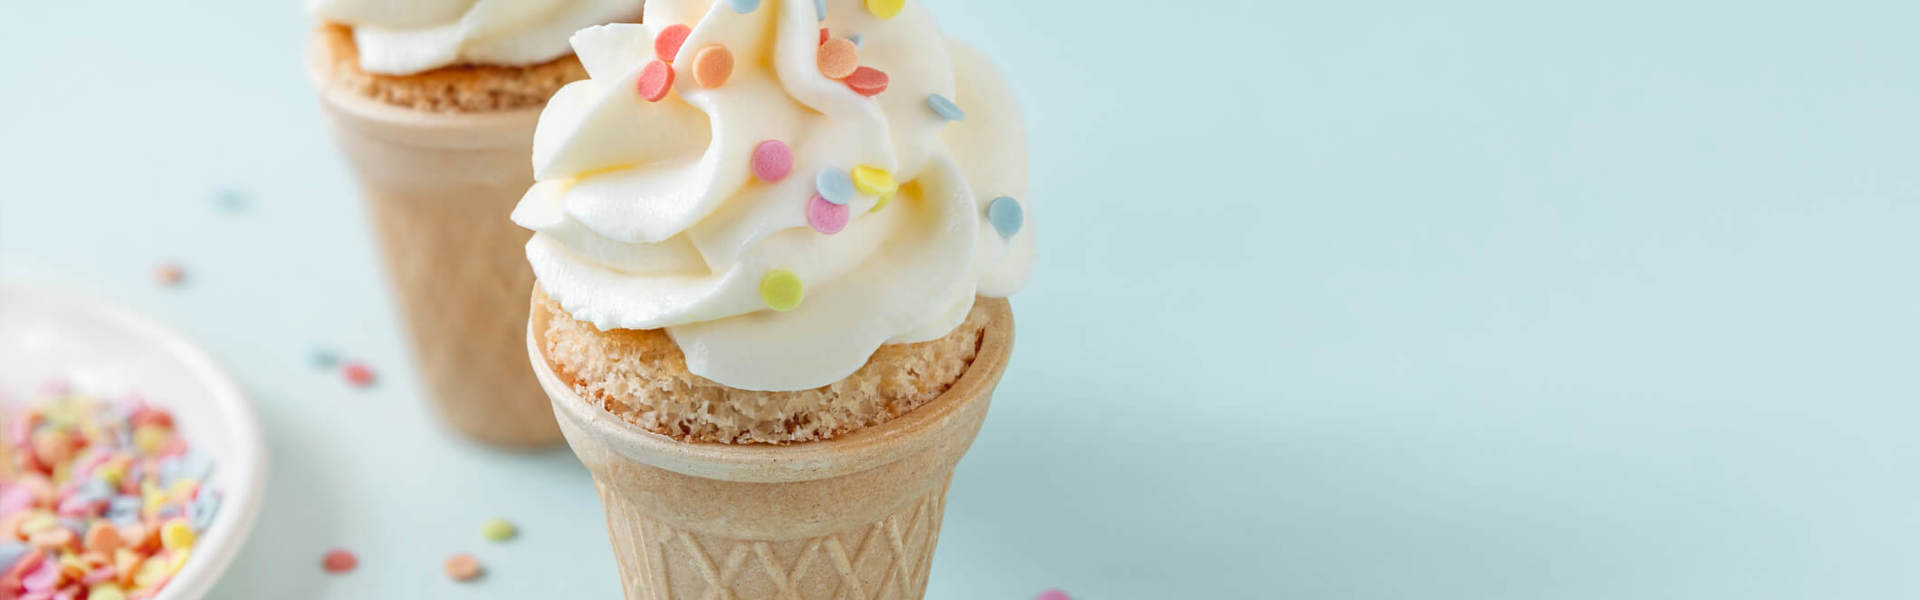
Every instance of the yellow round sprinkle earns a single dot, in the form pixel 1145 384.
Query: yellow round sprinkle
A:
pixel 176 535
pixel 149 438
pixel 498 530
pixel 151 574
pixel 884 200
pixel 782 290
pixel 873 181
pixel 885 9
pixel 37 522
pixel 112 472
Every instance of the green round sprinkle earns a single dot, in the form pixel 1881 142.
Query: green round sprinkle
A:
pixel 498 530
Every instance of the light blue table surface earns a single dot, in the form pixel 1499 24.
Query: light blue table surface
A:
pixel 1336 300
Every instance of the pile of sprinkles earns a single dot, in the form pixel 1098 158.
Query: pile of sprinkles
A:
pixel 98 500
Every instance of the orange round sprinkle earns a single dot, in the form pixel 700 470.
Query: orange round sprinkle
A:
pixel 655 80
pixel 339 561
pixel 463 567
pixel 712 66
pixel 666 46
pixel 838 58
pixel 868 81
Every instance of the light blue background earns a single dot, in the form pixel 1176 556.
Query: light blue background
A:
pixel 1338 299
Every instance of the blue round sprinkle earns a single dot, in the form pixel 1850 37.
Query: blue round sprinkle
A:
pixel 820 8
pixel 1006 216
pixel 946 109
pixel 743 6
pixel 855 38
pixel 834 185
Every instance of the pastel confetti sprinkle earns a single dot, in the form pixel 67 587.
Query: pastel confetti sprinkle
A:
pixel 498 530
pixel 772 161
pixel 89 489
pixel 782 290
pixel 169 274
pixel 1053 594
pixel 884 201
pixel 826 217
pixel 838 58
pixel 339 561
pixel 1006 216
pixel 230 201
pixel 323 358
pixel 666 46
pixel 945 108
pixel 177 535
pixel 743 6
pixel 873 181
pixel 855 38
pixel 868 81
pixel 463 567
pixel 834 185
pixel 885 9
pixel 655 80
pixel 820 8
pixel 712 66
pixel 358 374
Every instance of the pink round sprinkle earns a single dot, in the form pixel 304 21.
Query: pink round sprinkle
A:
pixel 339 561
pixel 43 577
pixel 358 374
pixel 826 217
pixel 868 81
pixel 666 46
pixel 655 80
pixel 772 161
pixel 1054 595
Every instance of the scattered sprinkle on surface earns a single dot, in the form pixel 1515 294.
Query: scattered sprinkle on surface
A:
pixel 1053 594
pixel 358 374
pixel 323 358
pixel 499 530
pixel 463 567
pixel 338 561
pixel 230 201
pixel 170 274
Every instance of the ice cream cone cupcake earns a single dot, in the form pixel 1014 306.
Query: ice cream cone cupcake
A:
pixel 434 104
pixel 772 242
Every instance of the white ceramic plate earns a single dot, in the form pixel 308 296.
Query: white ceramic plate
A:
pixel 109 350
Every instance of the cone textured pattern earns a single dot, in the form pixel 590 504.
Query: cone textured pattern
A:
pixel 888 559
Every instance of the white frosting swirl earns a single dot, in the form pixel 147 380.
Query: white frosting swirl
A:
pixel 647 214
pixel 410 36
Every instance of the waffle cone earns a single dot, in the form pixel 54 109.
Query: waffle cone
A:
pixel 857 516
pixel 439 187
